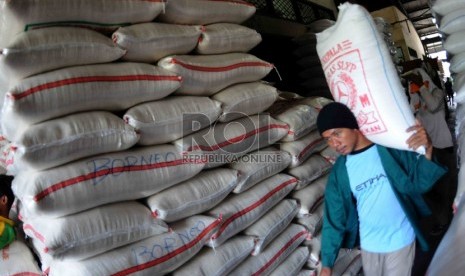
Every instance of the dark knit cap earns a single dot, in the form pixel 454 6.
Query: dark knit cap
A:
pixel 335 115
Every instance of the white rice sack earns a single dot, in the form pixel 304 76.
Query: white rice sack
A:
pixel 219 261
pixel 62 140
pixel 453 22
pixel 149 42
pixel 112 87
pixel 226 142
pixel 330 154
pixel 459 81
pixel 157 255
pixel 361 74
pixel 193 196
pixel 447 259
pixel 205 75
pixel 457 63
pixel 42 50
pixel 301 149
pixel 241 210
pixel 310 170
pixel 315 248
pixel 169 119
pixel 259 165
pixel 94 231
pixel 244 99
pixel 272 224
pixel 455 43
pixel 348 262
pixel 101 15
pixel 307 272
pixel 17 259
pixel 320 25
pixel 314 221
pixel 311 196
pixel 444 7
pixel 222 38
pixel 275 254
pixel 301 118
pixel 294 263
pixel 97 180
pixel 205 12
pixel 316 102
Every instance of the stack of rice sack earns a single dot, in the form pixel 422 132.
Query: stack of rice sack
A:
pixel 108 152
pixel 452 25
pixel 312 78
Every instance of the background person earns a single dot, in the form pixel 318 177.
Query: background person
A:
pixel 7 232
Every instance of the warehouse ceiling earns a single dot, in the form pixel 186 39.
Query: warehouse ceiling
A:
pixel 418 12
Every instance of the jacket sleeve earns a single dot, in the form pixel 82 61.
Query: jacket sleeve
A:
pixel 334 220
pixel 421 173
pixel 7 236
pixel 434 100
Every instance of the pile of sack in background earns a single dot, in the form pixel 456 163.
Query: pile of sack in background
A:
pixel 123 166
pixel 451 17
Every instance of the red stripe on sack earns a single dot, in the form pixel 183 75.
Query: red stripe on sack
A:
pixel 82 178
pixel 76 80
pixel 308 147
pixel 26 274
pixel 317 204
pixel 235 2
pixel 36 234
pixel 171 254
pixel 222 68
pixel 280 252
pixel 236 139
pixel 253 206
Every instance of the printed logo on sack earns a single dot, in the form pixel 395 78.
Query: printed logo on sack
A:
pixel 345 74
pixel 222 143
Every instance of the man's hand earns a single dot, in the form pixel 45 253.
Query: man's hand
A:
pixel 325 271
pixel 420 138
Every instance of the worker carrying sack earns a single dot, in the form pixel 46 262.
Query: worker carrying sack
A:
pixel 361 74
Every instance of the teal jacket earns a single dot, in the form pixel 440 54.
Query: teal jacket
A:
pixel 410 175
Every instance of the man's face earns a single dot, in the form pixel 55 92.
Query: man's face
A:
pixel 342 140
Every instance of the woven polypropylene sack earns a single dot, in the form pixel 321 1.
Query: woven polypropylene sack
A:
pixel 62 140
pixel 169 119
pixel 457 63
pixel 149 42
pixel 222 38
pixel 205 12
pixel 314 221
pixel 193 196
pixel 270 225
pixel 311 196
pixel 455 44
pixel 310 170
pixel 226 142
pixel 42 50
pixel 112 87
pixel 157 255
pixel 292 264
pixel 94 231
pixel 301 118
pixel 259 165
pixel 301 149
pixel 101 15
pixel 205 75
pixel 219 261
pixel 106 178
pixel 453 22
pixel 444 7
pixel 348 262
pixel 361 74
pixel 241 210
pixel 17 259
pixel 265 262
pixel 244 99
pixel 330 154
